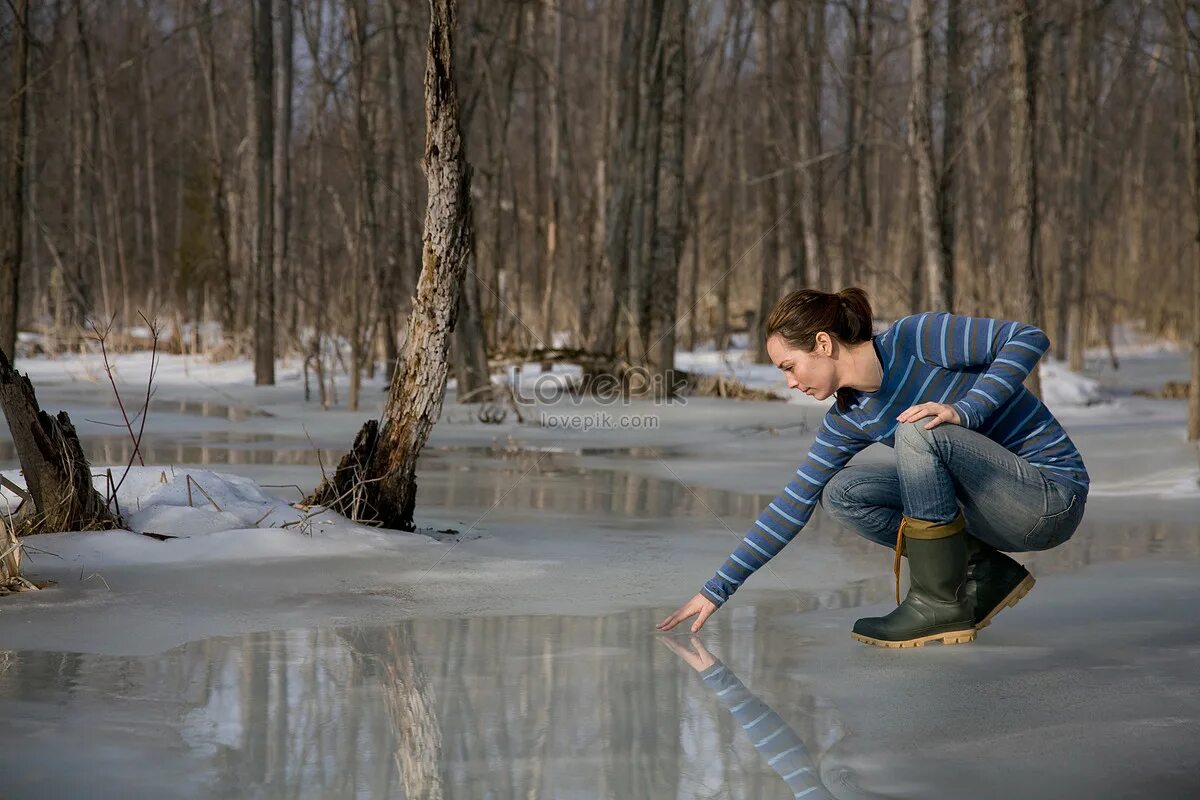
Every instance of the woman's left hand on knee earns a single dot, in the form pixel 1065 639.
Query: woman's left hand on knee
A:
pixel 939 411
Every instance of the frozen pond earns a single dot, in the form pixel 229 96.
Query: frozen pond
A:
pixel 587 707
pixel 518 657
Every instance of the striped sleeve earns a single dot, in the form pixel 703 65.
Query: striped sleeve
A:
pixel 782 519
pixel 777 743
pixel 1008 349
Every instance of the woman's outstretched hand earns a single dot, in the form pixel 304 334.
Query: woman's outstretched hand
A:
pixel 939 411
pixel 697 605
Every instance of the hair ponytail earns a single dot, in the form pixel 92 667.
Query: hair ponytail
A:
pixel 802 314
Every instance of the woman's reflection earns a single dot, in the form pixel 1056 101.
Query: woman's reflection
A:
pixel 773 738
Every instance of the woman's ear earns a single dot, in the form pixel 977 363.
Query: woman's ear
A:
pixel 823 344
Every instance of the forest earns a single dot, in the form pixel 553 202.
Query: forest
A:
pixel 646 175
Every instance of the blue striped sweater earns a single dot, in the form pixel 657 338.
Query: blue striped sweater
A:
pixel 975 364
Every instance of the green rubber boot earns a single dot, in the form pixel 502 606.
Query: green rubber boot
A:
pixel 994 581
pixel 936 608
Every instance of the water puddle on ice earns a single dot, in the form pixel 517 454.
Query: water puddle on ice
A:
pixel 200 448
pixel 509 707
pixel 460 478
pixel 495 707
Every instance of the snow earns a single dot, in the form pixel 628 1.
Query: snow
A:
pixel 1062 388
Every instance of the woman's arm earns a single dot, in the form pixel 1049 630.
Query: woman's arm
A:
pixel 1008 349
pixel 836 444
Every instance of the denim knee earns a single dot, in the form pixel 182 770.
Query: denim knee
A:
pixel 914 432
pixel 836 497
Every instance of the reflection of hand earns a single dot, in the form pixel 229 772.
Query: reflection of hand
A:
pixel 692 651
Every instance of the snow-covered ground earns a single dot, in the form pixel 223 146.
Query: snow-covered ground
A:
pixel 262 648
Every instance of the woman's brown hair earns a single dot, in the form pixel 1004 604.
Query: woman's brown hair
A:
pixel 801 315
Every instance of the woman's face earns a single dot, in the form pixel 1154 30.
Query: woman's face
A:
pixel 813 373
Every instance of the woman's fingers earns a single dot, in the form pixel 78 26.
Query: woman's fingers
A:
pixel 697 605
pixel 941 416
pixel 939 411
pixel 914 413
pixel 678 616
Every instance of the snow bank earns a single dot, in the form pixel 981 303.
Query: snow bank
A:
pixel 204 516
pixel 1063 388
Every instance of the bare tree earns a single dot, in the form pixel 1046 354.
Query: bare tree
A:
pixel 952 99
pixel 377 479
pixel 810 37
pixel 669 233
pixel 14 227
pixel 1188 55
pixel 263 84
pixel 568 110
pixel 767 189
pixel 939 277
pixel 1023 199
pixel 202 38
pixel 281 189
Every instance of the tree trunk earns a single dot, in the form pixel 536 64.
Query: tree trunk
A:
pixel 811 41
pixel 619 210
pixel 768 185
pixel 669 232
pixel 14 230
pixel 158 281
pixel 632 323
pixel 57 474
pixel 202 36
pixel 1188 52
pixel 263 87
pixel 952 98
pixel 856 208
pixel 377 480
pixel 474 381
pixel 938 277
pixel 282 157
pixel 558 129
pixel 1023 208
pixel 1082 99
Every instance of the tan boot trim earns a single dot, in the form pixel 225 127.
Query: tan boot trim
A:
pixel 920 529
pixel 899 551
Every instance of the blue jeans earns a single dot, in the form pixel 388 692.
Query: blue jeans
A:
pixel 1007 502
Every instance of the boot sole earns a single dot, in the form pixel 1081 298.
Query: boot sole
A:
pixel 1013 597
pixel 951 637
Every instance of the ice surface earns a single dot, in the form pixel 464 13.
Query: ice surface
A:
pixel 250 659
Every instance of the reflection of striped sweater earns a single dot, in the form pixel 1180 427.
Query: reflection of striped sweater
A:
pixel 975 364
pixel 774 740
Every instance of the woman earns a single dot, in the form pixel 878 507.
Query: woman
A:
pixel 982 466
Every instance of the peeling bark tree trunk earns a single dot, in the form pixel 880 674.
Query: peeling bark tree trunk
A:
pixel 57 474
pixel 377 479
